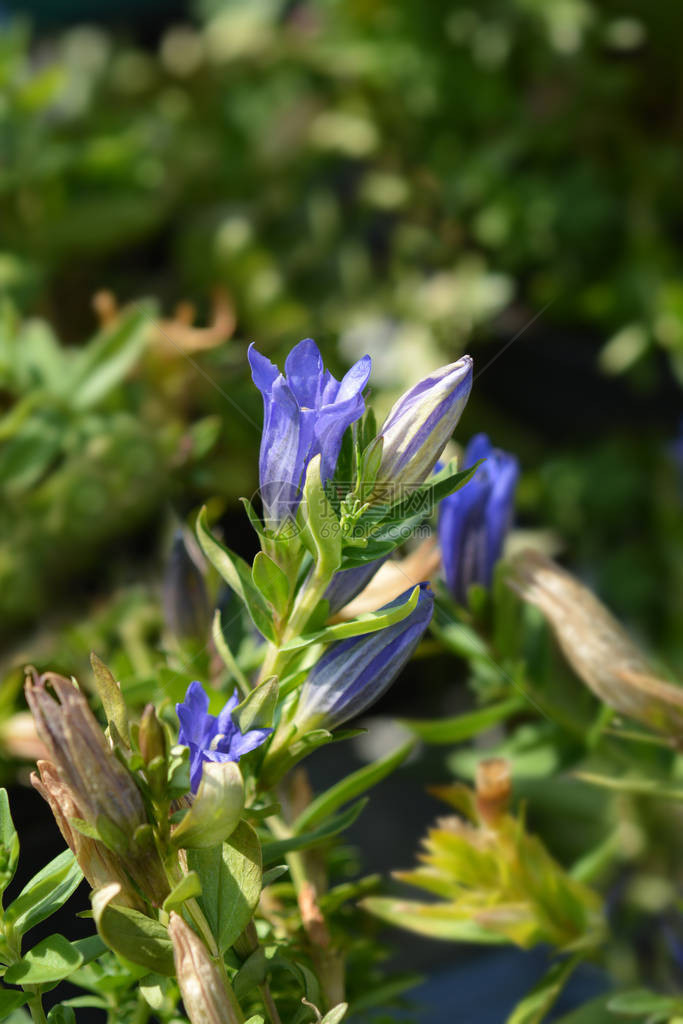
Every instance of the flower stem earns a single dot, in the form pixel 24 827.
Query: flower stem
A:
pixel 35 1005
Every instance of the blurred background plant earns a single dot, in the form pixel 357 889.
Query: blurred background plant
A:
pixel 404 179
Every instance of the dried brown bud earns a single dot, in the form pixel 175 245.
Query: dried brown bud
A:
pixel 202 985
pixel 596 646
pixel 493 787
pixel 84 781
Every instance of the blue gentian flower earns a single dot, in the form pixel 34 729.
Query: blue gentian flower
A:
pixel 474 521
pixel 352 674
pixel 419 425
pixel 212 738
pixel 305 413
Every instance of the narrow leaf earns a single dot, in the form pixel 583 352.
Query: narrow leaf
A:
pixel 237 575
pixel 275 850
pixel 368 623
pixel 534 1007
pixel 109 692
pixel 258 708
pixel 463 727
pixel 352 786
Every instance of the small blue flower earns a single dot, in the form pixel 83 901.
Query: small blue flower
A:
pixel 474 521
pixel 352 674
pixel 305 413
pixel 212 738
pixel 420 424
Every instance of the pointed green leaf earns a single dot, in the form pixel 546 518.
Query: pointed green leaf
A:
pixel 51 960
pixel 539 1002
pixel 226 654
pixel 336 1014
pixel 109 692
pixel 277 849
pixel 368 623
pixel 437 921
pixel 187 888
pixel 320 528
pixel 138 938
pixel 463 727
pixel 105 361
pixel 237 575
pixel 258 708
pixel 231 883
pixel 637 786
pixel 269 578
pixel 352 786
pixel 9 843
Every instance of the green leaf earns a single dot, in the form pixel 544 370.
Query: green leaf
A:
pixel 640 1003
pixel 257 1018
pixel 273 874
pixel 237 575
pixel 463 727
pixel 45 893
pixel 258 708
pixel 320 527
pixel 368 623
pixel 436 921
pixel 352 786
pixel 440 486
pixel 275 851
pixel 271 581
pixel 9 843
pixel 231 883
pixel 534 1007
pixel 252 973
pixel 638 787
pixel 108 358
pixel 226 654
pixel 336 1014
pixel 52 959
pixel 138 938
pixel 109 692
pixel 11 1000
pixel 594 1012
pixel 62 1014
pixel 215 810
pixel 187 888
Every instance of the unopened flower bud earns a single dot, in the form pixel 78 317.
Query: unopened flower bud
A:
pixel 152 738
pixel 352 674
pixel 418 427
pixel 493 787
pixel 202 985
pixel 84 782
pixel 215 810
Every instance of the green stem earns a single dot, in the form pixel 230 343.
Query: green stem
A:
pixel 305 604
pixel 35 1005
pixel 142 1011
